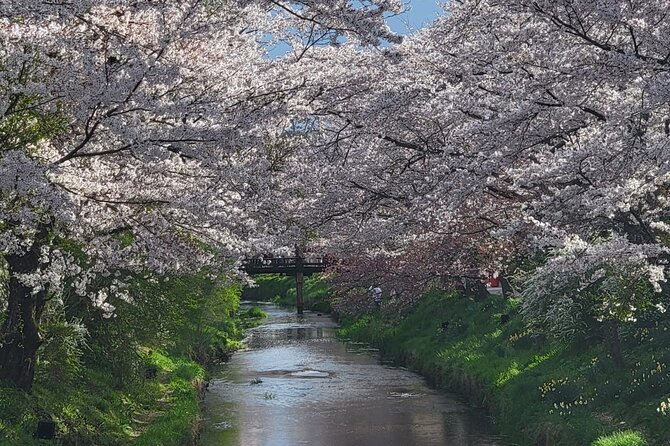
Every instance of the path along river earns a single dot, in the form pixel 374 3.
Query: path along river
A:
pixel 315 390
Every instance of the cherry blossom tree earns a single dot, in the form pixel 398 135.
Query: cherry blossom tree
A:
pixel 564 99
pixel 540 121
pixel 133 136
pixel 168 135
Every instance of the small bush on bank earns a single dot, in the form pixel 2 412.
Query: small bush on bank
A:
pixel 254 313
pixel 628 438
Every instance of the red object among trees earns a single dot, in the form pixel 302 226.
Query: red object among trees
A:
pixel 493 282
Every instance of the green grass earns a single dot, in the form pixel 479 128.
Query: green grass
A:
pixel 18 417
pixel 94 410
pixel 100 388
pixel 628 438
pixel 537 390
pixel 177 424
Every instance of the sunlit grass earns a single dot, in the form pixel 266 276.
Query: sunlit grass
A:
pixel 628 438
pixel 508 374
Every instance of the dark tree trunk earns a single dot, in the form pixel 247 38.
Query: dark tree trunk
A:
pixel 613 342
pixel 20 336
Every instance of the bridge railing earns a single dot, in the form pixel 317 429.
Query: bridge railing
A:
pixel 279 261
pixel 286 265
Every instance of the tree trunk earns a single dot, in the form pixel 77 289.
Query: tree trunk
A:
pixel 613 342
pixel 20 337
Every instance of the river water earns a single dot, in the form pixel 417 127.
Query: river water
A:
pixel 296 384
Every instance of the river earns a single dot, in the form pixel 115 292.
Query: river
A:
pixel 296 384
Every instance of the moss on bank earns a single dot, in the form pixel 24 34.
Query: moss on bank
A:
pixel 540 392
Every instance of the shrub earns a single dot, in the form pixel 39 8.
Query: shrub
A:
pixel 627 438
pixel 254 312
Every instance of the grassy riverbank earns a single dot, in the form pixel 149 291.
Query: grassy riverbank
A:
pixel 540 392
pixel 161 408
pixel 133 379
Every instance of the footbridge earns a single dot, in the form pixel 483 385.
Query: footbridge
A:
pixel 298 266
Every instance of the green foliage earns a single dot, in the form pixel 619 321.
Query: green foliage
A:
pixel 281 290
pixel 160 411
pixel 192 315
pixel 62 349
pixel 269 287
pixel 576 309
pixel 539 388
pixel 97 382
pixel 24 124
pixel 316 295
pixel 254 313
pixel 627 438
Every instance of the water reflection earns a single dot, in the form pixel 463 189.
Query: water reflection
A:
pixel 311 389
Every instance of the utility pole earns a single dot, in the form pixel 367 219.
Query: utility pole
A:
pixel 299 280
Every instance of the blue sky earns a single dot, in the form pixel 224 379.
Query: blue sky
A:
pixel 421 13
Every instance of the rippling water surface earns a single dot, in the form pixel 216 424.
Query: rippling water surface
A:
pixel 297 385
